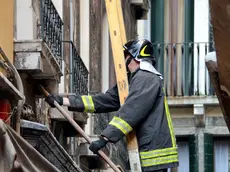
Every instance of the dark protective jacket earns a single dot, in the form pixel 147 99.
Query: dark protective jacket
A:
pixel 145 110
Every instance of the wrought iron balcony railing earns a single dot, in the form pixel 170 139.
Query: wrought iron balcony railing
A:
pixel 79 73
pixel 51 28
pixel 183 67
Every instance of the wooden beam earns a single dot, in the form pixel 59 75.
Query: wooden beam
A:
pixel 224 99
pixel 220 18
pixel 118 38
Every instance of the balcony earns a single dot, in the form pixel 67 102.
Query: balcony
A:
pixel 79 84
pixel 79 73
pixel 186 78
pixel 38 44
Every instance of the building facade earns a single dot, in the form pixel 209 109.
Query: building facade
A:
pixel 182 35
pixel 63 45
pixel 11 94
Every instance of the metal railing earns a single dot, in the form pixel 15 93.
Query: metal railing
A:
pixel 51 28
pixel 118 152
pixel 79 73
pixel 183 67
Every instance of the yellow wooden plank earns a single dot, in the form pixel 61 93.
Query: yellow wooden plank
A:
pixel 131 137
pixel 121 22
pixel 118 55
pixel 118 38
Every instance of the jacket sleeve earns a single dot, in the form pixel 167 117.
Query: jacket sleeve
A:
pixel 143 93
pixel 99 103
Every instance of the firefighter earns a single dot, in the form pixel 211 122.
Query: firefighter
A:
pixel 145 110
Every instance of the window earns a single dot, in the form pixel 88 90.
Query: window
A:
pixel 221 158
pixel 216 153
pixel 183 150
pixel 184 158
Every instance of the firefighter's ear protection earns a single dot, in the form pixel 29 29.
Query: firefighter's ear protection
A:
pixel 127 63
pixel 128 60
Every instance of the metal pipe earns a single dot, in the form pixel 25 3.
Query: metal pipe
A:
pixel 79 129
pixel 70 48
pixel 20 88
pixel 72 140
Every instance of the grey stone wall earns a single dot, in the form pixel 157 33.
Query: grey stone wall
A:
pixel 95 45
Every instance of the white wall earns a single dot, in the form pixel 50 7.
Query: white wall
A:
pixel 84 31
pixel 84 48
pixel 59 6
pixel 143 28
pixel 24 20
pixel 105 54
pixel 201 34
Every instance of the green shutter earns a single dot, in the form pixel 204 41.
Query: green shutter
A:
pixel 157 31
pixel 193 153
pixel 208 152
pixel 187 59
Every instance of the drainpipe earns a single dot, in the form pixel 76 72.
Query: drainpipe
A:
pixel 19 86
pixel 72 140
pixel 70 48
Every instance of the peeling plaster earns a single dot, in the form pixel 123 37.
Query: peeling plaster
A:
pixel 27 60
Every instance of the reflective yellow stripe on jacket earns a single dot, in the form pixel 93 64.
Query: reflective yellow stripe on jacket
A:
pixel 168 116
pixel 88 103
pixel 159 157
pixel 159 160
pixel 162 156
pixel 121 125
pixel 158 152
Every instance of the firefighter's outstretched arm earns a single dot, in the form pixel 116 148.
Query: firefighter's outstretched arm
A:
pixel 144 91
pixel 99 103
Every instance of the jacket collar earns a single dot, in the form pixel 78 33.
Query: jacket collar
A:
pixel 145 65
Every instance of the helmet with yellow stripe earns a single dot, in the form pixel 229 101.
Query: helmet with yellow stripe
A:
pixel 140 49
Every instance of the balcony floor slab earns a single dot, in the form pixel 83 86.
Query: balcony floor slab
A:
pixel 191 100
pixel 35 58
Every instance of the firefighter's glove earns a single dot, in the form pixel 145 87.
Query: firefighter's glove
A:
pixel 51 98
pixel 97 145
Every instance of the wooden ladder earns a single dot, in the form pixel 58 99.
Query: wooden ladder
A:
pixel 118 38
